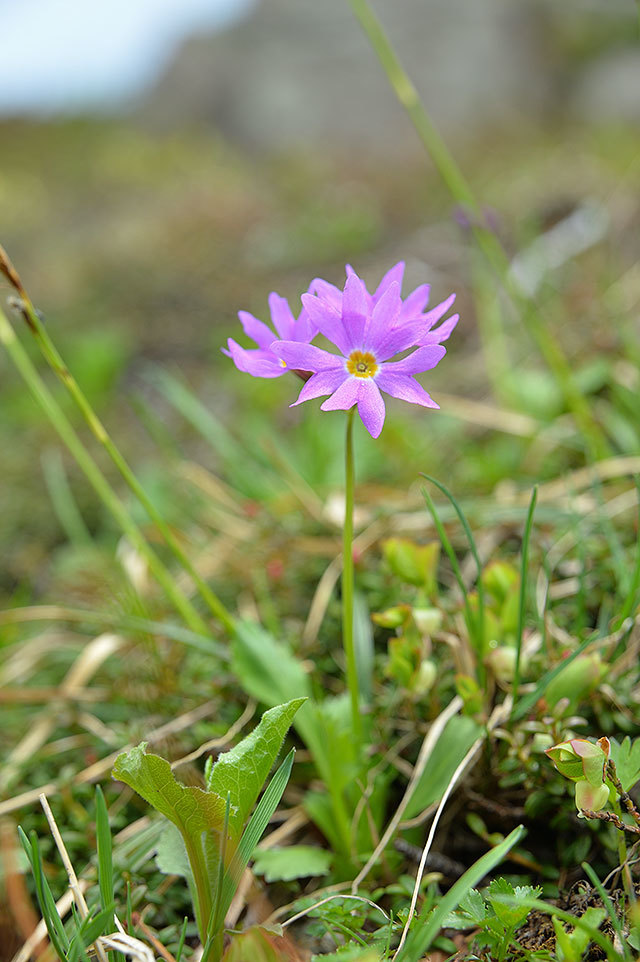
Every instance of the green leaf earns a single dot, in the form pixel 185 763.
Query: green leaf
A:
pixel 171 855
pixel 427 925
pixel 453 744
pixel 191 809
pixel 104 847
pixel 241 772
pixel 626 758
pixel 351 953
pixel 253 832
pixel 294 861
pixel 501 895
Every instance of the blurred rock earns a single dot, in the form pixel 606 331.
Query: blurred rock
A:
pixel 301 73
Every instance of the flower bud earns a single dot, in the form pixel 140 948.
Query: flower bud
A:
pixel 580 759
pixel 591 797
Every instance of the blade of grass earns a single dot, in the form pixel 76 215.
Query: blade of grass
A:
pixel 115 621
pixel 470 618
pixel 522 600
pixel 46 901
pixel 608 904
pixel 105 854
pixel 254 831
pixel 95 476
pixel 57 365
pixel 474 551
pixel 634 587
pixel 62 499
pixel 426 929
pixel 486 239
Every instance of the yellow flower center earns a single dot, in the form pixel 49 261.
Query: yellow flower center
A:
pixel 361 364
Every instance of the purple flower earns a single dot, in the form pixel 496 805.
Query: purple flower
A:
pixel 261 361
pixel 412 311
pixel 368 330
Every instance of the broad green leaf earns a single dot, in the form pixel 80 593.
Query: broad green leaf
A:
pixel 171 855
pixel 294 861
pixel 626 758
pixel 253 832
pixel 268 670
pixel 241 772
pixel 191 809
pixel 453 744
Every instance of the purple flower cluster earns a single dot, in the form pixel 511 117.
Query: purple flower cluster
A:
pixel 367 329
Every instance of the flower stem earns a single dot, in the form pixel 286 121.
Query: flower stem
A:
pixel 95 476
pixel 347 583
pixel 57 365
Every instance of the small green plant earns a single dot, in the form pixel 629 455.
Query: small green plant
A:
pixel 207 842
pixel 496 914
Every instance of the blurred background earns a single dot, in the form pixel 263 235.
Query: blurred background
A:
pixel 164 164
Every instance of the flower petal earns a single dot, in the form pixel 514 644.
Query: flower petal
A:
pixel 415 303
pixel 371 407
pixel 306 357
pixel 283 319
pixel 329 292
pixel 257 330
pixel 258 363
pixel 396 340
pixel 304 329
pixel 440 333
pixel 394 275
pixel 325 382
pixel 406 388
pixel 430 318
pixel 354 309
pixel 328 320
pixel 382 318
pixel 344 397
pixel 421 360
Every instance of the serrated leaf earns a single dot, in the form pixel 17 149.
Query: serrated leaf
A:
pixel 626 758
pixel 503 899
pixel 473 905
pixel 191 809
pixel 294 861
pixel 241 772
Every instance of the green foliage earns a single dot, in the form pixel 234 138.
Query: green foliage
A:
pixel 626 758
pixel 209 822
pixel 499 913
pixel 571 945
pixel 294 861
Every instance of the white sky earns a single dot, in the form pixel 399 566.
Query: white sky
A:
pixel 63 54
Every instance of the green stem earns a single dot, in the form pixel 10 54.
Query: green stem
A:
pixel 101 434
pixel 622 852
pixel 347 583
pixel 486 240
pixel 95 476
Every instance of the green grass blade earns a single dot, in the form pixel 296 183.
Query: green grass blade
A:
pixel 472 622
pixel 426 929
pixel 105 854
pixel 62 499
pixel 523 590
pixel 183 935
pixel 608 904
pixel 254 831
pixel 50 914
pixel 632 595
pixel 474 551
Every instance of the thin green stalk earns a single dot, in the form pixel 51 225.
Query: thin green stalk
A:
pixel 523 592
pixel 56 363
pixel 95 476
pixel 486 240
pixel 347 583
